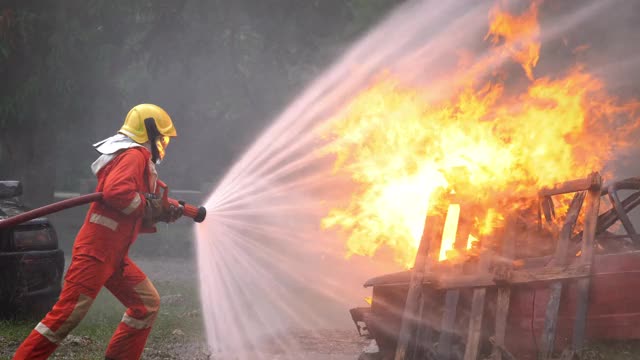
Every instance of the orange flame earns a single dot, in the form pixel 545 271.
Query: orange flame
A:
pixel 447 249
pixel 521 35
pixel 493 148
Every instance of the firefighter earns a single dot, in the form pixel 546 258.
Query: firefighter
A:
pixel 126 172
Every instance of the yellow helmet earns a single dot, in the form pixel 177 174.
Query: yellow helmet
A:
pixel 134 124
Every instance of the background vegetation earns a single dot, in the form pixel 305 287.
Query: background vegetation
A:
pixel 70 70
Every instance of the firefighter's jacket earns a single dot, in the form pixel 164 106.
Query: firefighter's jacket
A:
pixel 113 223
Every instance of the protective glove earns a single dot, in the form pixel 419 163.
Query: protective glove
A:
pixel 172 214
pixel 155 211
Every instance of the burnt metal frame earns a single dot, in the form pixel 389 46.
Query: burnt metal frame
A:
pixel 420 335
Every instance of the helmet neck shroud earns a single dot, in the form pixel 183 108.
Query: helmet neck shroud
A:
pixel 152 133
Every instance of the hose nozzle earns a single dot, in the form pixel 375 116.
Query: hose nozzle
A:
pixel 197 213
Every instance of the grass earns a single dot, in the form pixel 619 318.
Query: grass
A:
pixel 90 338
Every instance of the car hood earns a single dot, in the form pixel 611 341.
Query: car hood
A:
pixel 398 278
pixel 9 208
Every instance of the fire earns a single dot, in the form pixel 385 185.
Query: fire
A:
pixel 490 146
pixel 520 33
pixel 449 232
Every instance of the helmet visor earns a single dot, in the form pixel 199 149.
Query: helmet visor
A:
pixel 161 144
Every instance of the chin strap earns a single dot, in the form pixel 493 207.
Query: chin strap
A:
pixel 152 134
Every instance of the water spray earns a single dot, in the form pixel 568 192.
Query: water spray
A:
pixel 197 213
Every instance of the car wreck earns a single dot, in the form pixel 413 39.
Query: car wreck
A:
pixel 31 264
pixel 506 303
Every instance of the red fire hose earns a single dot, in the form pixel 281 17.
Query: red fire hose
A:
pixel 50 209
pixel 198 214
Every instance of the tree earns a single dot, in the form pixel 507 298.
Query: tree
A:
pixel 222 68
pixel 25 27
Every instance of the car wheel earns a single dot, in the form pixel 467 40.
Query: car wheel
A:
pixel 40 307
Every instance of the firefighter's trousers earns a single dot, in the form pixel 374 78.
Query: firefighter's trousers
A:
pixel 84 279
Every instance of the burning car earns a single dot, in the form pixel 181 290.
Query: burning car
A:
pixel 541 304
pixel 31 264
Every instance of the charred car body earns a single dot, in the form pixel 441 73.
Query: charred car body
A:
pixel 31 264
pixel 613 301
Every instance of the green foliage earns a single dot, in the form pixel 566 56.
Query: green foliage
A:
pixel 17 28
pixel 11 107
pixel 76 67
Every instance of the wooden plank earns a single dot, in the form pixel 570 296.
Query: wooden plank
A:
pixel 425 332
pixel 502 304
pixel 516 277
pixel 582 307
pixel 475 324
pixel 503 278
pixel 547 344
pixel 539 269
pixel 610 217
pixel 567 187
pixel 550 273
pixel 412 353
pixel 548 209
pixel 409 315
pixel 622 214
pixel 588 241
pixel 447 327
pixel 477 312
pixel 504 353
pixel 567 228
pixel 553 304
pixel 502 313
pixel 434 223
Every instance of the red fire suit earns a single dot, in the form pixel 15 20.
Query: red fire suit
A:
pixel 100 259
